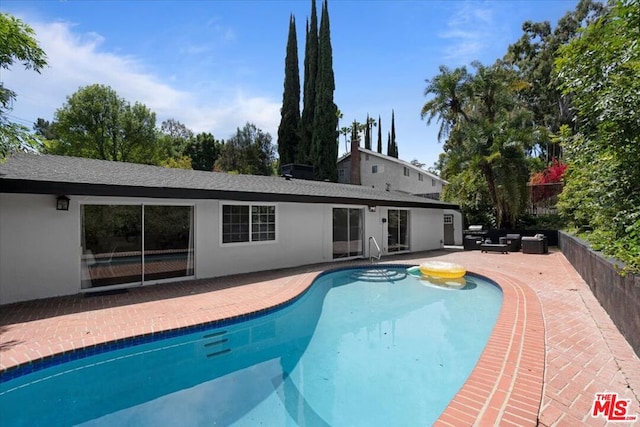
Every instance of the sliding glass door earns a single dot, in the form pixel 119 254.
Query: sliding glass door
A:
pixel 168 242
pixel 135 243
pixel 347 232
pixel 398 230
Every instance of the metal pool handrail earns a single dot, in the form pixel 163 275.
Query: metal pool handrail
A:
pixel 371 238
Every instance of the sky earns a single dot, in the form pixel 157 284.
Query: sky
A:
pixel 215 65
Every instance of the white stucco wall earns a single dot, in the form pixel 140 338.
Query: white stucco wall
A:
pixel 299 240
pixel 40 247
pixel 393 173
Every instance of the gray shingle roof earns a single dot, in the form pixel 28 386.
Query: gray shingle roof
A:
pixel 49 174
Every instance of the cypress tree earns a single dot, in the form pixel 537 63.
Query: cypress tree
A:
pixel 389 147
pixel 325 120
pixel 310 77
pixel 288 136
pixel 379 136
pixel 394 144
pixel 367 134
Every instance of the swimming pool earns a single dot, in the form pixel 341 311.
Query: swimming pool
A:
pixel 361 347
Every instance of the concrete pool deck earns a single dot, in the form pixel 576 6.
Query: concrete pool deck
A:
pixel 553 348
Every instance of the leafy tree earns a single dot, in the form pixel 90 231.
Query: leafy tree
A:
pixel 488 130
pixel 310 77
pixel 600 71
pixel 417 163
pixel 203 151
pixel 18 44
pixel 324 145
pixel 96 123
pixel 533 55
pixel 288 131
pixel 183 162
pixel 249 151
pixel 44 129
pixel 173 139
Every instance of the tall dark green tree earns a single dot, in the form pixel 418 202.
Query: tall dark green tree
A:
pixel 392 149
pixel 309 95
pixel 288 131
pixel 379 136
pixel 389 147
pixel 367 134
pixel 325 121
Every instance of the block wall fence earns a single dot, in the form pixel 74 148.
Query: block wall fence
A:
pixel 618 295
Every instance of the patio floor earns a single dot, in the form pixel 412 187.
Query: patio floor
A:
pixel 553 348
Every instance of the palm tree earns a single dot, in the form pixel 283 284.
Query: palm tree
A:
pixel 487 130
pixel 448 103
pixel 345 131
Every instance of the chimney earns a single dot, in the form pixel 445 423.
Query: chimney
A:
pixel 355 162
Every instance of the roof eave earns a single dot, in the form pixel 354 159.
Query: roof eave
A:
pixel 105 190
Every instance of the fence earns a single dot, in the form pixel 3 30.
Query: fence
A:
pixel 543 198
pixel 619 295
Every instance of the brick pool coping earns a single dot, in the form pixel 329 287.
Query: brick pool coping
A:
pixel 523 377
pixel 506 384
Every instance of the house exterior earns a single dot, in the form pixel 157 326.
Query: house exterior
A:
pixel 134 225
pixel 372 169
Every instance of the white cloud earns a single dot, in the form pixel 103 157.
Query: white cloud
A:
pixel 471 30
pixel 76 60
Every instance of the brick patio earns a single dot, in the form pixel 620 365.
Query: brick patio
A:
pixel 552 349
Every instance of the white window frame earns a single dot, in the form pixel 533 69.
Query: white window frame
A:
pixel 250 241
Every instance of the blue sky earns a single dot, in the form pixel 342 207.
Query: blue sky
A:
pixel 215 65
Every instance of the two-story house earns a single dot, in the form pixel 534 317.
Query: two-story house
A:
pixel 372 169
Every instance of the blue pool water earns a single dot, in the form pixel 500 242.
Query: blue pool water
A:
pixel 361 347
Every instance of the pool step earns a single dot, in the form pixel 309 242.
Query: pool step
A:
pixel 378 275
pixel 216 344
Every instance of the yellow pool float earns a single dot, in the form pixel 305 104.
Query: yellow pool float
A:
pixel 442 269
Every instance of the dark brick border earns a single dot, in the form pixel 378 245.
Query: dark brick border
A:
pixel 618 295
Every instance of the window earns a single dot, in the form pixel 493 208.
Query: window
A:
pixel 406 171
pixel 374 168
pixel 420 177
pixel 340 173
pixel 448 219
pixel 245 223
pixel 433 182
pixel 263 223
pixel 366 157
